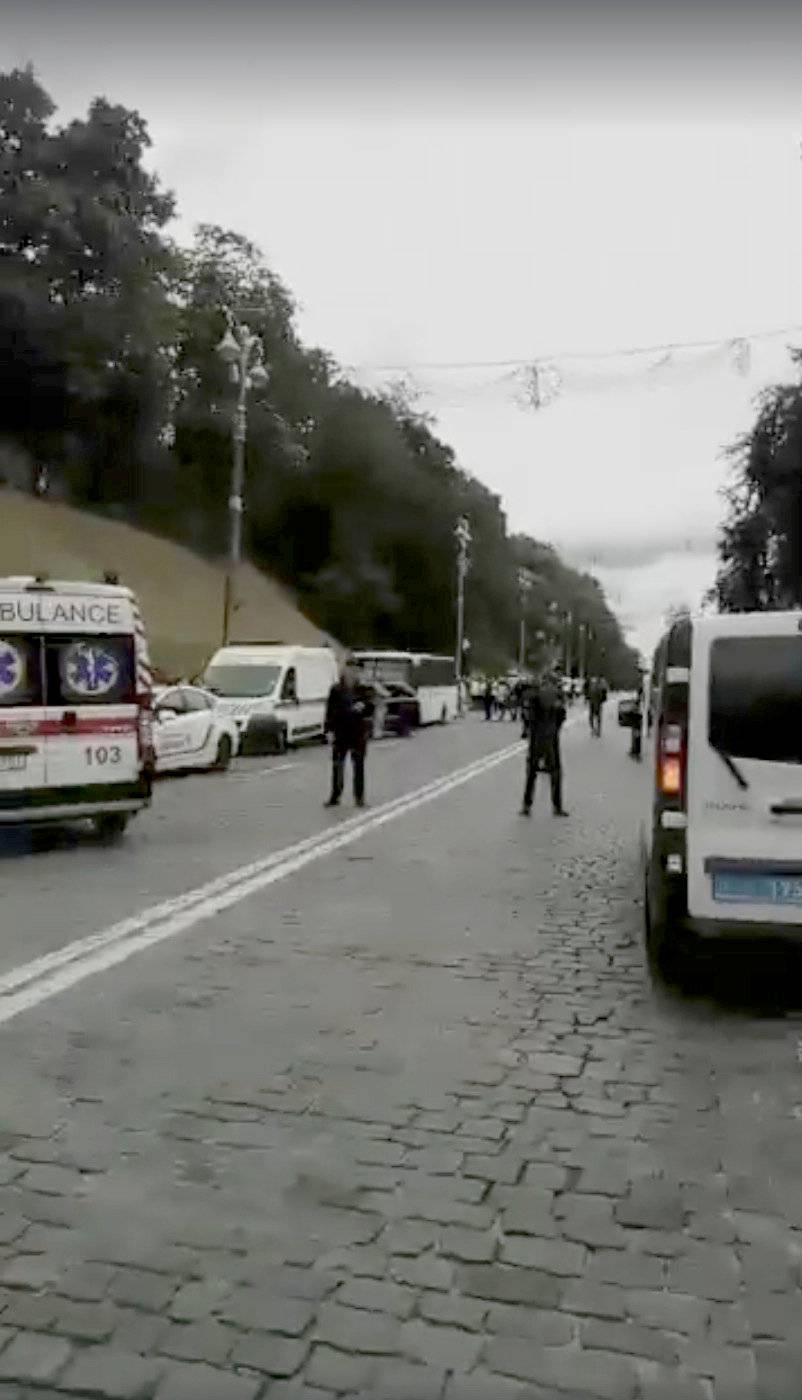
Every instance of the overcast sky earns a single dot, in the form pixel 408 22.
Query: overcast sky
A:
pixel 497 183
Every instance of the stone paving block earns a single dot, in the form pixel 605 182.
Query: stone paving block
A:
pixel 452 1310
pixel 470 1246
pixel 85 1283
pixel 767 1269
pixel 588 1299
pixel 449 1348
pixel 138 1332
pixel 31 1312
pixel 410 1237
pixel 675 1312
pixel 564 1368
pixel 377 1296
pixel 296 1390
pixel 30 1271
pixel 625 1267
pixel 198 1341
pixel 482 1385
pixel 774 1316
pixel 652 1205
pixel 563 1066
pixel 541 1326
pixel 426 1271
pixel 670 1385
pixel 260 1312
pixel 628 1338
pixel 186 1382
pixel 195 1301
pixel 709 1273
pixel 35 1358
pixel 550 1256
pixel 778 1370
pixel 354 1330
pixel 274 1355
pixel 114 1375
pixel 12 1227
pixel 52 1180
pixel 135 1288
pixel 402 1380
pixel 336 1370
pixel 438 1162
pixel 86 1322
pixel 506 1284
pixel 507 1167
pixel 545 1176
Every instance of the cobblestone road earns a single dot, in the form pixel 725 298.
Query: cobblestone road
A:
pixel 411 1125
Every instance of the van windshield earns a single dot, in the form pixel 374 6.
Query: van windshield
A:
pixel 756 698
pixel 241 681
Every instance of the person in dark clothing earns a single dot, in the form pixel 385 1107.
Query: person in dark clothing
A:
pixel 488 700
pixel 349 719
pixel 544 718
pixel 596 703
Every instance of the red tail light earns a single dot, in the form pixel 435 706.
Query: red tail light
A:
pixel 671 761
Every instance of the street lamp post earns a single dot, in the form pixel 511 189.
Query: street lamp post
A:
pixel 242 350
pixel 525 582
pixel 462 532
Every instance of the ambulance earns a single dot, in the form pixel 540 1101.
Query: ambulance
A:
pixel 75 704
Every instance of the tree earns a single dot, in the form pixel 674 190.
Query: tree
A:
pixel 108 335
pixel 760 546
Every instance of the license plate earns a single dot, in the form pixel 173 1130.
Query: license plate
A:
pixel 757 889
pixel 13 762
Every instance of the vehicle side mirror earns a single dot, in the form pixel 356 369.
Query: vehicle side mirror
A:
pixel 164 712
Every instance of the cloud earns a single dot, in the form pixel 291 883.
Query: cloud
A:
pixel 626 553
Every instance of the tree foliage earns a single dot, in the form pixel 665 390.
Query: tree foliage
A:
pixel 760 547
pixel 108 336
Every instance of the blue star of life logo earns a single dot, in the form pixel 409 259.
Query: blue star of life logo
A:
pixel 90 669
pixel 12 668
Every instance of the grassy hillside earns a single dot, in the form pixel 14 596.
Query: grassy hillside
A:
pixel 181 594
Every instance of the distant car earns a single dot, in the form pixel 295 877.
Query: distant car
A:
pixel 396 708
pixel 190 731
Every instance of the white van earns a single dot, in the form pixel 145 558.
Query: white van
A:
pixel 721 834
pixel 276 694
pixel 75 704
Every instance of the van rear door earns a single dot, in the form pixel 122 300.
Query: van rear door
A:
pixel 22 731
pixel 91 716
pixel 745 771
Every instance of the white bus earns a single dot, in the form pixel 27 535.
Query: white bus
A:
pixel 432 678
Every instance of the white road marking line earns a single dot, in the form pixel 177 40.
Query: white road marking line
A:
pixel 35 982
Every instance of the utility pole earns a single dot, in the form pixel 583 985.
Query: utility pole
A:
pixel 525 583
pixel 462 532
pixel 242 350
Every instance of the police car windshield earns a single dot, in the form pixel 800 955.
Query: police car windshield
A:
pixel 243 681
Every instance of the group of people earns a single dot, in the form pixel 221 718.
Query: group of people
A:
pixel 541 705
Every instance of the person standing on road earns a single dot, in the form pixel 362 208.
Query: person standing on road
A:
pixel 349 717
pixel 487 699
pixel 598 696
pixel 545 717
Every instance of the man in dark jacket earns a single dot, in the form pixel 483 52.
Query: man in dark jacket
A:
pixel 349 720
pixel 544 718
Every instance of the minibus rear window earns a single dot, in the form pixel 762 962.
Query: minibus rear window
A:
pixel 20 671
pixel 90 670
pixel 756 698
